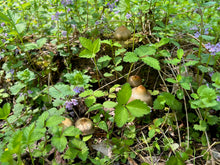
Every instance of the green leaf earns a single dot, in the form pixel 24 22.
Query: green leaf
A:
pixel 59 142
pixel 171 80
pixel 164 53
pixel 124 94
pixel 20 27
pixel 103 126
pixel 154 63
pixel 108 74
pixel 130 57
pixel 216 79
pixel 191 63
pixel 138 108
pixel 95 107
pixel 41 119
pixel 205 69
pixel 96 46
pixel 5 111
pixel 212 120
pixel 104 59
pixel 4 18
pixel 159 102
pixel 86 43
pixel 89 101
pixel 86 54
pixel 201 127
pixel 208 38
pixel 86 93
pixel 151 133
pixel 109 104
pixel 71 131
pixel 145 50
pixel 26 75
pixel 158 122
pixel 54 121
pixel 98 93
pixel 121 115
pixel 60 91
pixel 174 61
pixel 118 68
pixel 162 42
pixel 41 42
pixel 180 53
pixel 30 46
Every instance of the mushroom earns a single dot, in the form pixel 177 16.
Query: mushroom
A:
pixel 66 123
pixel 140 93
pixel 122 33
pixel 134 81
pixel 85 125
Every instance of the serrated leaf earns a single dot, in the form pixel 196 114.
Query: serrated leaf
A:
pixel 171 80
pixel 145 50
pixel 212 120
pixel 154 63
pixel 89 101
pixel 60 91
pixel 205 69
pixel 59 142
pixel 20 27
pixel 4 18
pixel 109 104
pixel 130 57
pixel 159 103
pixel 201 127
pixel 98 93
pixel 30 46
pixel 216 79
pixel 191 63
pixel 104 58
pixel 86 93
pixel 164 53
pixel 138 108
pixel 79 147
pixel 124 94
pixel 174 61
pixel 121 115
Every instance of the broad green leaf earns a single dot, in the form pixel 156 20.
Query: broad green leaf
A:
pixel 26 75
pixel 20 27
pixel 17 87
pixel 41 119
pixel 138 108
pixel 151 133
pixel 174 61
pixel 108 74
pixel 124 94
pixel 95 107
pixel 164 53
pixel 121 115
pixel 130 57
pixel 208 38
pixel 180 53
pixel 212 120
pixel 30 46
pixel 86 93
pixel 5 111
pixel 54 121
pixel 86 43
pixel 191 63
pixel 205 69
pixel 86 54
pixel 96 46
pixel 59 142
pixel 154 63
pixel 109 104
pixel 216 79
pixel 71 131
pixel 158 122
pixel 109 42
pixel 41 42
pixel 16 142
pixel 171 80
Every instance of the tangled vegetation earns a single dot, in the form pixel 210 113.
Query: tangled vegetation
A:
pixel 109 82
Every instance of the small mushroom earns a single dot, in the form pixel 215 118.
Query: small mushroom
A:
pixel 66 123
pixel 122 33
pixel 134 81
pixel 85 125
pixel 140 93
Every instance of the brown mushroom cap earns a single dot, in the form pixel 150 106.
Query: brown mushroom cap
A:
pixel 85 125
pixel 134 81
pixel 66 123
pixel 122 33
pixel 140 93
